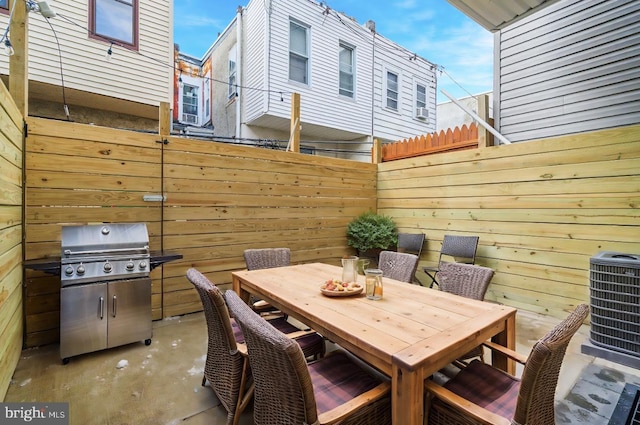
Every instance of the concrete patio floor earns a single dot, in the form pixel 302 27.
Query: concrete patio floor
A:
pixel 160 383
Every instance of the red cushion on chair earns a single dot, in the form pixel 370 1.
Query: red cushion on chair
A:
pixel 487 387
pixel 336 380
pixel 312 344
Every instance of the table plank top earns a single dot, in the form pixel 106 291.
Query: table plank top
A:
pixel 417 326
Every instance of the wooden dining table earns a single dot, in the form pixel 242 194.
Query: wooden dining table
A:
pixel 409 334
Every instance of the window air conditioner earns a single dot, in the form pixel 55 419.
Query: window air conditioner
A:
pixel 422 113
pixel 190 118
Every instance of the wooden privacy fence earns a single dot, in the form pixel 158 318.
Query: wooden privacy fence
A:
pixel 542 209
pixel 220 200
pixel 444 141
pixel 11 189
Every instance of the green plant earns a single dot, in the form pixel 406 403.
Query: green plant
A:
pixel 372 231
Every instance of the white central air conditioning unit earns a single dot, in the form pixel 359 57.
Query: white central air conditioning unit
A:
pixel 422 113
pixel 190 118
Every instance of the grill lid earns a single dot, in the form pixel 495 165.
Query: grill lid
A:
pixel 104 239
pixel 94 253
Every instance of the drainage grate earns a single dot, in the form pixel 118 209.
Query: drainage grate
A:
pixel 627 410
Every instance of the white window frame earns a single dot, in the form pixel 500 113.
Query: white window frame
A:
pixel 418 102
pixel 304 57
pixel 388 90
pixel 233 73
pixel 342 90
pixel 189 81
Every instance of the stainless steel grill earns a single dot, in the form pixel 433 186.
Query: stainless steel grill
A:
pixel 105 299
pixel 104 252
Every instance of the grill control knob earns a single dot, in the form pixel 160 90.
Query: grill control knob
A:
pixel 130 266
pixel 107 267
pixel 142 265
pixel 80 270
pixel 68 271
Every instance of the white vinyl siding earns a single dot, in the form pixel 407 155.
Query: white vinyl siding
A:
pixel 323 109
pixel 143 76
pixel 572 67
pixel 346 58
pixel 298 52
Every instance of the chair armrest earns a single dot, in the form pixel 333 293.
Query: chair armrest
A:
pixel 465 406
pixel 242 348
pixel 520 358
pixel 339 413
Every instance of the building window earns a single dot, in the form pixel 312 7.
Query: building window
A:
pixel 4 4
pixel 421 96
pixel 190 104
pixel 115 20
pixel 392 90
pixel 298 53
pixel 346 70
pixel 232 73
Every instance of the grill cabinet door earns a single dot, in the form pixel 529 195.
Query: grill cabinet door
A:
pixel 129 311
pixel 83 319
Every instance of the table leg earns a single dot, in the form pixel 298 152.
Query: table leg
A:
pixel 506 338
pixel 407 396
pixel 237 288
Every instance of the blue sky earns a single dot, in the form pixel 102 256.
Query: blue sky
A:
pixel 433 29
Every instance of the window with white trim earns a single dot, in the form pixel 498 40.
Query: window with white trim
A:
pixel 421 96
pixel 298 52
pixel 190 104
pixel 115 20
pixel 232 72
pixel 347 70
pixel 4 4
pixel 392 90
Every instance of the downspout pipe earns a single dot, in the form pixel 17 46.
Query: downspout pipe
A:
pixel 239 73
pixel 476 117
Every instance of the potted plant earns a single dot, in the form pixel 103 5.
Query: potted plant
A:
pixel 370 233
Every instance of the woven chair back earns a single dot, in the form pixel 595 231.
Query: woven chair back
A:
pixel 224 365
pixel 283 387
pixel 462 248
pixel 541 371
pixel 466 280
pixel 410 243
pixel 267 258
pixel 397 265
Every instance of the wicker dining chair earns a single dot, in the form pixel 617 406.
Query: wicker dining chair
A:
pixel 411 243
pixel 227 364
pixel 331 390
pixel 482 394
pixel 398 265
pixel 265 258
pixel 462 249
pixel 226 367
pixel 468 281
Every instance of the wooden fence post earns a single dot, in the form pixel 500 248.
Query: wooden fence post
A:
pixel 376 152
pixel 18 62
pixel 294 136
pixel 164 125
pixel 484 137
